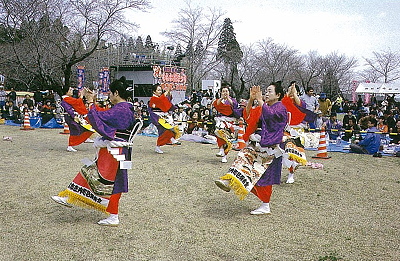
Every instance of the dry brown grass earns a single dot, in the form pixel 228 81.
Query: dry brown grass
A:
pixel 174 211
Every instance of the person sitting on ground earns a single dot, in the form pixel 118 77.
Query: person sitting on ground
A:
pixel 382 126
pixel 195 122
pixel 363 121
pixel 333 125
pixel 351 129
pixel 346 118
pixel 46 112
pixel 395 136
pixel 11 112
pixel 370 144
pixel 28 101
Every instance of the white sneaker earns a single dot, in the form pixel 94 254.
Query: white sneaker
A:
pixel 220 154
pixel 224 160
pixel 223 184
pixel 158 150
pixel 290 179
pixel 70 149
pixel 263 209
pixel 89 141
pixel 61 201
pixel 112 220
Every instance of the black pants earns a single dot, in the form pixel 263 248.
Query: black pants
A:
pixel 358 149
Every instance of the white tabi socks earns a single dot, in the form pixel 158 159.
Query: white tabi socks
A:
pixel 290 178
pixel 158 150
pixel 70 149
pixel 221 152
pixel 263 209
pixel 224 160
pixel 112 220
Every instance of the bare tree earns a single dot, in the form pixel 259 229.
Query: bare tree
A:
pixel 197 29
pixel 309 69
pixel 384 64
pixel 267 61
pixel 49 37
pixel 369 75
pixel 337 73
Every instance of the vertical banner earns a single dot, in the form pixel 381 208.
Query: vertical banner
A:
pixel 106 80
pixel 81 77
pixel 100 81
pixel 367 95
pixel 353 91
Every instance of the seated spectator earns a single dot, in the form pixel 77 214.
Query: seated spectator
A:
pixel 370 144
pixel 351 129
pixel 46 112
pixel 346 106
pixel 382 127
pixel 390 120
pixel 333 125
pixel 209 122
pixel 182 118
pixel 346 118
pixel 363 121
pixel 146 117
pixel 395 139
pixel 24 109
pixel 175 114
pixel 3 96
pixel 12 112
pixel 195 123
pixel 28 101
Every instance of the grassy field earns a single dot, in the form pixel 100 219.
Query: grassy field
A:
pixel 173 211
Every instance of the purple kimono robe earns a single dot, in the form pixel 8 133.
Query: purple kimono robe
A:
pixel 114 124
pixel 273 121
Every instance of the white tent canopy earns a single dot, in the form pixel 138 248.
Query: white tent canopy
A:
pixel 381 88
pixel 389 88
pixel 368 87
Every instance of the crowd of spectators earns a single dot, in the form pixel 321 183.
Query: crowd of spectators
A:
pixel 367 125
pixel 44 104
pixel 196 114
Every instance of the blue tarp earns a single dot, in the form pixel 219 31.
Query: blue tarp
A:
pixel 11 123
pixel 52 124
pixel 36 122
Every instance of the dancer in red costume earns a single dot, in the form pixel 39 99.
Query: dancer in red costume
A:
pixel 76 112
pixel 160 109
pixel 228 112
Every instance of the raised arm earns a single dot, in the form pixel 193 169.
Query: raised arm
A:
pixel 292 93
pixel 255 94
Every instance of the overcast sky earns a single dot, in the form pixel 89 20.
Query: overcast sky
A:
pixel 354 27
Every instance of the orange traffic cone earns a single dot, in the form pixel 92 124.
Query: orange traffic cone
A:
pixel 66 129
pixel 322 152
pixel 27 123
pixel 240 141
